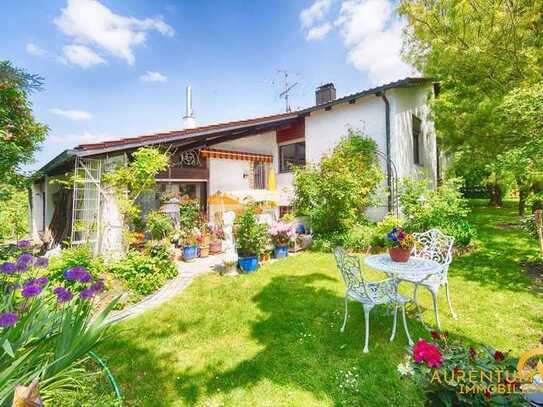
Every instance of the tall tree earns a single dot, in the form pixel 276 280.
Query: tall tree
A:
pixel 20 132
pixel 480 51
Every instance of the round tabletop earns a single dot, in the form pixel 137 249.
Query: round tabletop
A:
pixel 413 269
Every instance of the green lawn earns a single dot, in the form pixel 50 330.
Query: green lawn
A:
pixel 272 338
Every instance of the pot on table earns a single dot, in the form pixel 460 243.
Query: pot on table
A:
pixel 399 255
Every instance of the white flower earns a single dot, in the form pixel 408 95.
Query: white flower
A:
pixel 405 369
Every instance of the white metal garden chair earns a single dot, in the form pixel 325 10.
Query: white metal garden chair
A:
pixel 369 293
pixel 437 246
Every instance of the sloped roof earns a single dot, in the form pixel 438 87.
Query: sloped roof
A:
pixel 203 132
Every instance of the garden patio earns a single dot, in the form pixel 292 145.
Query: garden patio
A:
pixel 272 337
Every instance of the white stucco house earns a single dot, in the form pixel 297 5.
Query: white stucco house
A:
pixel 241 156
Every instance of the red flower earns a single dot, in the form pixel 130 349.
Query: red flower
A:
pixel 427 352
pixel 499 356
pixel 472 353
pixel 487 394
pixel 435 335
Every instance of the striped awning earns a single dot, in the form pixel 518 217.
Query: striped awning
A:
pixel 235 155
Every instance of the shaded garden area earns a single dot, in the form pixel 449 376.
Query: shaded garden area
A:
pixel 272 338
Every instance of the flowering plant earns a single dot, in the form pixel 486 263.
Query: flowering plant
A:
pixel 217 232
pixel 454 374
pixel 282 233
pixel 189 237
pixel 397 237
pixel 46 331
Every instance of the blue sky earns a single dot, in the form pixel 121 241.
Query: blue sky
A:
pixel 119 68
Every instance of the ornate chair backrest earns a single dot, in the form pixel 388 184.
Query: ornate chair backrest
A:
pixel 349 267
pixel 434 245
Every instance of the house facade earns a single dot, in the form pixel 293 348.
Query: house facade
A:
pixel 249 158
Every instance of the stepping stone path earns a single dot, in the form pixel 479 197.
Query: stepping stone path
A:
pixel 187 272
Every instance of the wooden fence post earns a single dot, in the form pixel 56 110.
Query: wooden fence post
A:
pixel 539 229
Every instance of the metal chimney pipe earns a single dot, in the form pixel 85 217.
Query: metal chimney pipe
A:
pixel 188 119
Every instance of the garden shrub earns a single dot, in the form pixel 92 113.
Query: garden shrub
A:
pixel 443 208
pixel 159 225
pixel 335 193
pixel 189 212
pixel 145 272
pixel 80 255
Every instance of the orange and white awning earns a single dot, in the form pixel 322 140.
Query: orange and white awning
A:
pixel 235 155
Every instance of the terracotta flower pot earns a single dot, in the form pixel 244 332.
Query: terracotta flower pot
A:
pixel 204 251
pixel 399 255
pixel 215 247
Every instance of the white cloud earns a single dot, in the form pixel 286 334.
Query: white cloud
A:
pixel 82 56
pixel 318 32
pixel 33 49
pixel 78 138
pixel 315 12
pixel 151 76
pixel 371 32
pixel 90 22
pixel 71 114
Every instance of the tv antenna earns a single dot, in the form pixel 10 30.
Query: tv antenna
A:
pixel 287 88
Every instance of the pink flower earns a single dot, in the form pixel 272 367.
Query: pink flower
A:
pixel 427 352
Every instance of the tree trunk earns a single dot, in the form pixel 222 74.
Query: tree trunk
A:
pixel 522 193
pixel 495 192
pixel 537 187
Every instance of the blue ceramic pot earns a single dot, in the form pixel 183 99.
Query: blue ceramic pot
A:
pixel 248 264
pixel 280 251
pixel 190 253
pixel 300 228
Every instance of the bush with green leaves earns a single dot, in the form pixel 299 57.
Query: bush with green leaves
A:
pixel 158 225
pixel 251 236
pixel 14 214
pixel 335 193
pixel 443 208
pixel 189 212
pixel 47 328
pixel 145 272
pixel 80 255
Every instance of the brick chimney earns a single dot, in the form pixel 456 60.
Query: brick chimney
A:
pixel 325 93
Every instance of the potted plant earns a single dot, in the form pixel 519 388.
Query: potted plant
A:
pixel 400 244
pixel 250 239
pixel 217 236
pixel 282 234
pixel 159 225
pixel 188 240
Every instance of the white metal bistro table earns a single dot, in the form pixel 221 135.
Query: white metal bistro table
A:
pixel 416 270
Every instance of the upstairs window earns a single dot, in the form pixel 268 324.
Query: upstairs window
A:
pixel 417 136
pixel 291 155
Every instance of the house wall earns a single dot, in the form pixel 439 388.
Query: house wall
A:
pixel 324 129
pixel 406 102
pixel 227 175
pixel 36 215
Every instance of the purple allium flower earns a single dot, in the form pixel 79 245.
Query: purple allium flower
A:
pixel 24 244
pixel 86 294
pixel 8 319
pixel 23 262
pixel 41 262
pixel 22 267
pixel 63 294
pixel 8 268
pixel 97 287
pixel 31 291
pixel 78 274
pixel 41 281
pixel 85 277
